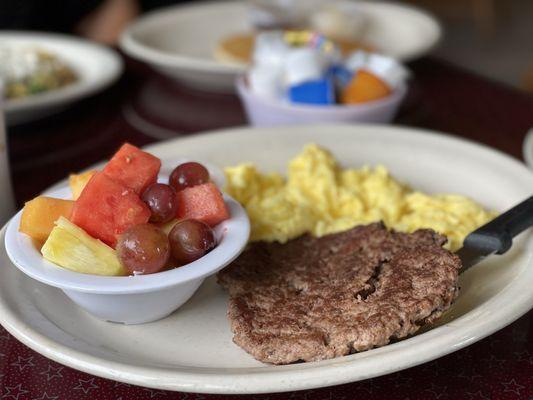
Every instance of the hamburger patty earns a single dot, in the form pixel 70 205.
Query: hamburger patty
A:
pixel 317 298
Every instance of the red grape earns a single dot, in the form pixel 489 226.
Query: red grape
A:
pixel 162 201
pixel 188 174
pixel 143 249
pixel 191 239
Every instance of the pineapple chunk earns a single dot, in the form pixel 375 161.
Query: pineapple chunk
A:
pixel 39 215
pixel 72 248
pixel 77 182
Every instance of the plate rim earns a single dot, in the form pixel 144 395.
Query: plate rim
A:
pixel 304 375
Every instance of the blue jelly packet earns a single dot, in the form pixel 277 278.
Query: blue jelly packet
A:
pixel 340 75
pixel 320 92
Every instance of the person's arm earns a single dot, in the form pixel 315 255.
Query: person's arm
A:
pixel 108 20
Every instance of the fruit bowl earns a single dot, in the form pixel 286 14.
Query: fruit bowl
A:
pixel 131 299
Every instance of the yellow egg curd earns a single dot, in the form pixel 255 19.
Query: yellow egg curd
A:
pixel 319 197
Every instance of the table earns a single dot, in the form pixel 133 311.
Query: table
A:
pixel 144 107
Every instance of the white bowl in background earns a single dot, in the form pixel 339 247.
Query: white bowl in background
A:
pixel 131 299
pixel 263 111
pixel 97 67
pixel 179 41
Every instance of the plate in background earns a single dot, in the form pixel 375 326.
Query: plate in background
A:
pixel 179 41
pixel 192 351
pixel 97 67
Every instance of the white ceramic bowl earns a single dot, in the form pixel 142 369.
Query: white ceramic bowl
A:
pixel 131 299
pixel 179 41
pixel 262 111
pixel 97 67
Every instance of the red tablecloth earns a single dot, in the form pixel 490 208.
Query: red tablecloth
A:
pixel 144 107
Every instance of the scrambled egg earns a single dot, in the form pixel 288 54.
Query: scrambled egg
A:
pixel 319 197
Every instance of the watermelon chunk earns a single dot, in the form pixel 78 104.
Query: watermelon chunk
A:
pixel 134 168
pixel 202 202
pixel 106 208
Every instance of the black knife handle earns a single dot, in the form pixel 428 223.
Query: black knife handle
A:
pixel 497 235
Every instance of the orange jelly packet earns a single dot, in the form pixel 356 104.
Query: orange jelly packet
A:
pixel 375 76
pixel 364 87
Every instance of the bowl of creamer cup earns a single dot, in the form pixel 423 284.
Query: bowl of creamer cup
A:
pixel 265 111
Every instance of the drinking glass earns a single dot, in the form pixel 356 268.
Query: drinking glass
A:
pixel 7 204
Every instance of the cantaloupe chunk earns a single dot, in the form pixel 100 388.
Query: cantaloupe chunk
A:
pixel 39 215
pixel 72 248
pixel 202 202
pixel 77 182
pixel 364 87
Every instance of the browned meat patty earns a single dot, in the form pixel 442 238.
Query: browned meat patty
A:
pixel 317 298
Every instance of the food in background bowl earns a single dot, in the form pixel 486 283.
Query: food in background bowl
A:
pixel 345 26
pixel 235 49
pixel 29 71
pixel 238 48
pixel 122 222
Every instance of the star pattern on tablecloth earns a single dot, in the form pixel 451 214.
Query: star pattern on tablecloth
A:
pixel 332 396
pixel 513 387
pixel 23 362
pixel 477 395
pixel 369 386
pixel 86 385
pixel 119 384
pixel 304 394
pixel 519 334
pixel 14 392
pixel 52 372
pixel 46 397
pixel 524 355
pixel 400 380
pixel 436 390
pixel 437 369
pixel 494 343
pixel 493 362
pixel 469 376
pixel 154 393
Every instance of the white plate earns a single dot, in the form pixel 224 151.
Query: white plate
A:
pixel 191 350
pixel 527 148
pixel 179 41
pixel 97 67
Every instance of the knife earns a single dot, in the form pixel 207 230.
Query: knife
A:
pixel 496 237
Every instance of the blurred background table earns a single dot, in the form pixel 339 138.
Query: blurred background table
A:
pixel 144 107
